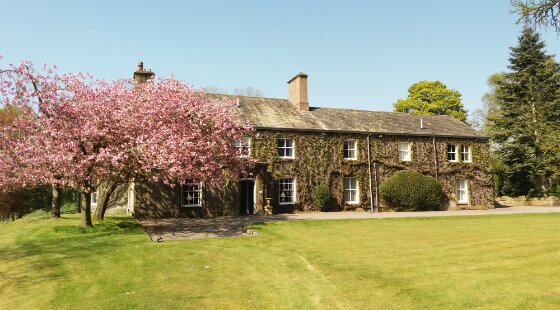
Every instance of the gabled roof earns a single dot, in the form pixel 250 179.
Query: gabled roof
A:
pixel 280 114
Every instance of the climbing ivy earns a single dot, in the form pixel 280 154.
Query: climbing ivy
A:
pixel 319 158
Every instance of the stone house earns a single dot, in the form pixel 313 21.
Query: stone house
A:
pixel 296 147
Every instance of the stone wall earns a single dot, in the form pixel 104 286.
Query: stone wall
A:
pixel 523 201
pixel 319 159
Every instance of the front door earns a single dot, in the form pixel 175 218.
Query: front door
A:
pixel 246 197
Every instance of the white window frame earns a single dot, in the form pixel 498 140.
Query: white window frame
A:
pixel 93 199
pixel 454 152
pixel 404 153
pixel 291 148
pixel 281 192
pixel 243 146
pixel 348 188
pixel 350 146
pixel 467 153
pixel 199 191
pixel 462 191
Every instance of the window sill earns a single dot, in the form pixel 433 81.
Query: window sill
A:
pixel 193 206
pixel 286 203
pixel 352 203
pixel 351 159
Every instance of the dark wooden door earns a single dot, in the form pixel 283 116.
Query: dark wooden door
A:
pixel 246 197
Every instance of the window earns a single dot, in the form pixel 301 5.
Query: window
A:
pixel 451 152
pixel 286 191
pixel 462 192
pixel 286 148
pixel 191 194
pixel 243 146
pixel 466 153
pixel 404 151
pixel 351 192
pixel 350 149
pixel 93 199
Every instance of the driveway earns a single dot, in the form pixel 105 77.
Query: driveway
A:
pixel 185 228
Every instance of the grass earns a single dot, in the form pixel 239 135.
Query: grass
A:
pixel 484 262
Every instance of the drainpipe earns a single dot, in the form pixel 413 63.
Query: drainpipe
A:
pixel 369 172
pixel 435 156
pixel 376 189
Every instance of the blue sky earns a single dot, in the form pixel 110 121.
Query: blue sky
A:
pixel 358 54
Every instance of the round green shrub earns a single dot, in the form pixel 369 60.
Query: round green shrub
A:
pixel 323 197
pixel 409 190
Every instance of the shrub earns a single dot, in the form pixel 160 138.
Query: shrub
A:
pixel 409 191
pixel 323 197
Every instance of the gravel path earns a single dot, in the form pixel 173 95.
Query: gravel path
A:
pixel 184 228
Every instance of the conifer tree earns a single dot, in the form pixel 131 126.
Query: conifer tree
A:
pixel 527 113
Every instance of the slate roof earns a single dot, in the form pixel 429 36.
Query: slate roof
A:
pixel 280 114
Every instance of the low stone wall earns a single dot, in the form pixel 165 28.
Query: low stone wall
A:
pixel 522 201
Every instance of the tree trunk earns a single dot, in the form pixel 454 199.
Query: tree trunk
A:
pixel 56 200
pixel 79 202
pixel 100 211
pixel 86 209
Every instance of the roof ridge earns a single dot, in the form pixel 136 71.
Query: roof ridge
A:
pixel 244 96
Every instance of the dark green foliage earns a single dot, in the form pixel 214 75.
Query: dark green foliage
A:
pixel 323 197
pixel 409 190
pixel 16 204
pixel 527 117
pixel 499 174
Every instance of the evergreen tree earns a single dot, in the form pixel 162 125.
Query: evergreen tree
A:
pixel 527 111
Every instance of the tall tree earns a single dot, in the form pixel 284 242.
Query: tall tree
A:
pixel 543 13
pixel 83 131
pixel 432 98
pixel 527 110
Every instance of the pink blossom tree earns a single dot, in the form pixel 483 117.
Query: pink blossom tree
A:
pixel 76 132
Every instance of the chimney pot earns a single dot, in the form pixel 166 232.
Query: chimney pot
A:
pixel 141 75
pixel 297 91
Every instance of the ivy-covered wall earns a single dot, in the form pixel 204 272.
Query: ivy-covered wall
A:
pixel 319 158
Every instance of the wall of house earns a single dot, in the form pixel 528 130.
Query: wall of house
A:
pixel 158 200
pixel 319 159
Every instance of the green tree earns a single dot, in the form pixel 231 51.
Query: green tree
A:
pixel 544 13
pixel 526 116
pixel 432 98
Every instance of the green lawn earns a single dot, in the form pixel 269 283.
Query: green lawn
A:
pixel 485 262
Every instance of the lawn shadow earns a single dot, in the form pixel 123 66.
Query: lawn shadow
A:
pixel 43 258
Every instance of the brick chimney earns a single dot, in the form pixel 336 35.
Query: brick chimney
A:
pixel 297 91
pixel 142 75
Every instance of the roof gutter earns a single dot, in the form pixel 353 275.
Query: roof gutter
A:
pixel 373 133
